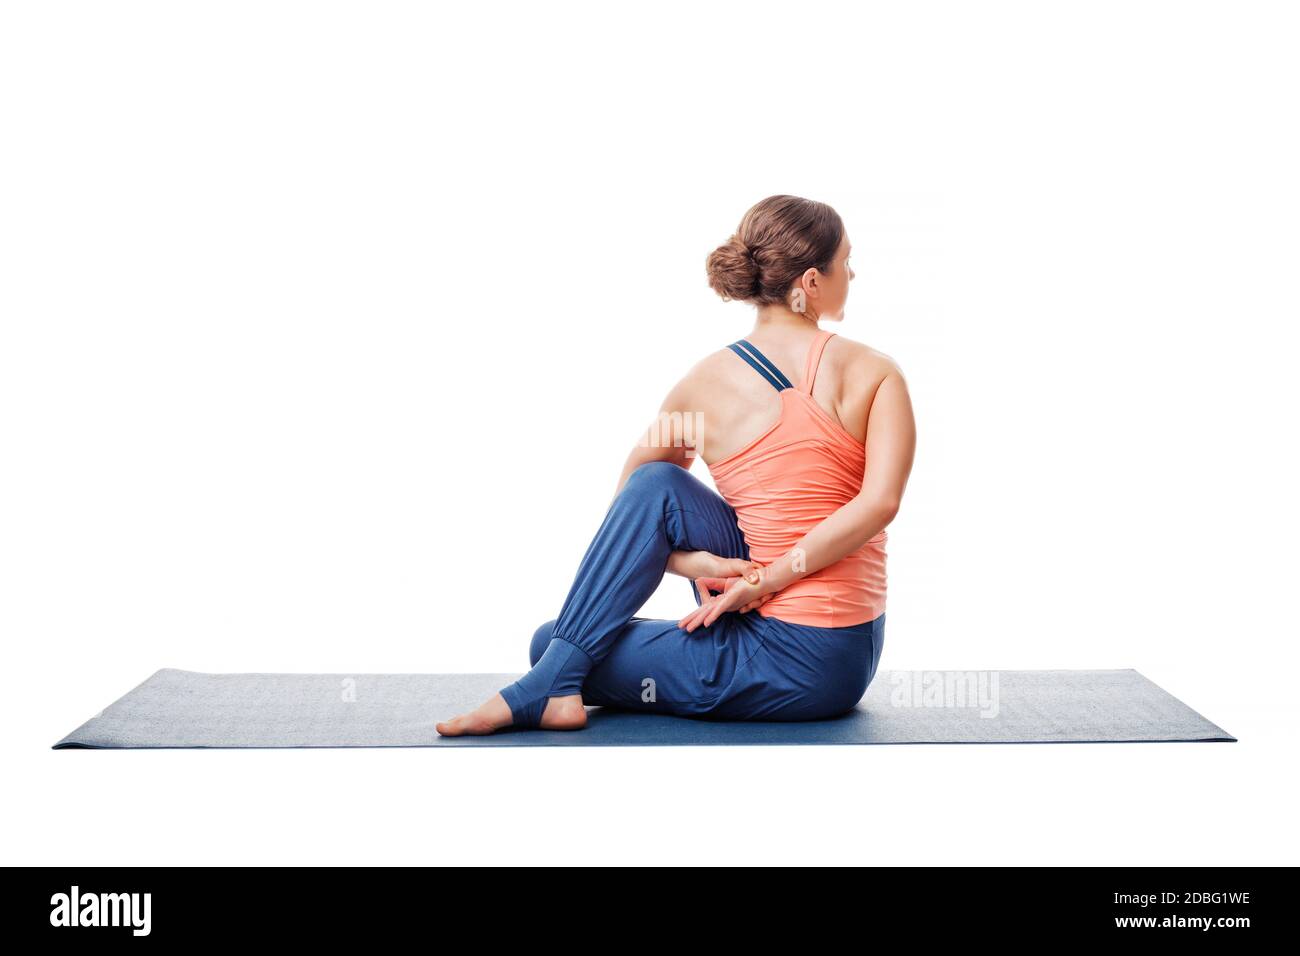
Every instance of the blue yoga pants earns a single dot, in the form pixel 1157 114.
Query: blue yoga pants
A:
pixel 742 667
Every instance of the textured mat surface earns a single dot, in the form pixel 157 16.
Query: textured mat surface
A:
pixel 186 709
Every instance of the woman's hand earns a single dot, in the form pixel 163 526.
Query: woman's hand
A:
pixel 758 603
pixel 702 564
pixel 712 573
pixel 738 594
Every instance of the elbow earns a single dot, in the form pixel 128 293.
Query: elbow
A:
pixel 886 507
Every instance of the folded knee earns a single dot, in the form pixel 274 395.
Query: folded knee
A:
pixel 653 477
pixel 541 640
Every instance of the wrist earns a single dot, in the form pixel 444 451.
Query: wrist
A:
pixel 783 573
pixel 769 580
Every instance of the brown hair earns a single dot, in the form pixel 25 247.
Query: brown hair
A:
pixel 778 240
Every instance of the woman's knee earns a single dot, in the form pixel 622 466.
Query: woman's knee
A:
pixel 541 640
pixel 654 477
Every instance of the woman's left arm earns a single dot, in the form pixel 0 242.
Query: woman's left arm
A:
pixel 890 446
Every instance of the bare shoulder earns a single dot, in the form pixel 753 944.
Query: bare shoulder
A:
pixel 717 364
pixel 859 363
pixel 702 378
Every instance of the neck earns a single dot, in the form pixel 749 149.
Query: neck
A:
pixel 779 316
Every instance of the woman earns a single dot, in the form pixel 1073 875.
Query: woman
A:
pixel 809 438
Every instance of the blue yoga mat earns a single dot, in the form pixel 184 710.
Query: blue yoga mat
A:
pixel 186 709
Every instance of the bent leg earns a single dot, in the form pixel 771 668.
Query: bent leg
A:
pixel 662 508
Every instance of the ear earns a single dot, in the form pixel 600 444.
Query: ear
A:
pixel 810 282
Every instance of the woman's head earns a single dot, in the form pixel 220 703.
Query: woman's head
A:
pixel 787 251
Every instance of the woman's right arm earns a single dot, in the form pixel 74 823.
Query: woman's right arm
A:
pixel 672 436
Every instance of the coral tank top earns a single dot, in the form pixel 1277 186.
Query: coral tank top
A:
pixel 789 479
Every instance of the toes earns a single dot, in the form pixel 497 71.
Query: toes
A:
pixel 452 728
pixel 470 724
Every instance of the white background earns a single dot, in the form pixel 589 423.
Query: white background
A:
pixel 327 327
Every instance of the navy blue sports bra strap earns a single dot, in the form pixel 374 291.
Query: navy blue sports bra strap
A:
pixel 767 363
pixel 761 364
pixel 756 367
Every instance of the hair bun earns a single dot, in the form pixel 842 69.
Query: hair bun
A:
pixel 779 239
pixel 733 272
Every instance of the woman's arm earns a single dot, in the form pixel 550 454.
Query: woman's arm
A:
pixel 672 436
pixel 890 446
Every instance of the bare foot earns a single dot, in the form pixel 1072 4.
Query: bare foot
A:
pixel 562 713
